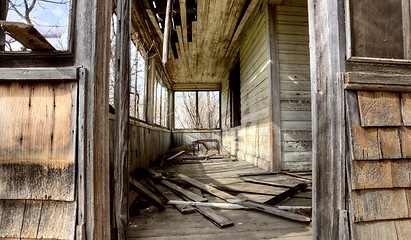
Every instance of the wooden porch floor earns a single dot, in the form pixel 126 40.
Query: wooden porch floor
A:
pixel 248 224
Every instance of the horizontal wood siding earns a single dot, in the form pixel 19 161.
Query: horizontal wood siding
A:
pixel 251 140
pixel 146 143
pixel 295 89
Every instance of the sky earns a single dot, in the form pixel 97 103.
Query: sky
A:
pixel 50 19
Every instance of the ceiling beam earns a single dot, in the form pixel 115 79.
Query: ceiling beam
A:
pixel 196 86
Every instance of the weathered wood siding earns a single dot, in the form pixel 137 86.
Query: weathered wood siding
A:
pixel 184 137
pixel 295 89
pixel 146 143
pixel 251 140
pixel 38 130
pixel 379 136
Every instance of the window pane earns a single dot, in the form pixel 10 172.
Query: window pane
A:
pixel 141 85
pixel 185 110
pixel 377 28
pixel 133 78
pixel 112 58
pixel 209 109
pixel 164 107
pixel 49 17
pixel 157 101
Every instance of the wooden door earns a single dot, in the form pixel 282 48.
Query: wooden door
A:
pixel 38 129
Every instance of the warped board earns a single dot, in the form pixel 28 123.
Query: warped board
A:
pixel 38 139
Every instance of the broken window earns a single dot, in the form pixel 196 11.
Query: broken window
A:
pixel 380 29
pixel 235 98
pixel 51 18
pixel 197 110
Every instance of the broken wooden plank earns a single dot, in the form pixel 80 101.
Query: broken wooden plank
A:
pixel 184 192
pixel 257 174
pixel 231 206
pixel 146 193
pixel 275 211
pixel 176 155
pixel 27 35
pixel 289 193
pixel 258 181
pixel 208 188
pixel 215 217
pixel 170 196
pixel 379 108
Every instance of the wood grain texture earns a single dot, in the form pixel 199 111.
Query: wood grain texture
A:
pixel 380 174
pixel 390 143
pixel 39 74
pixel 38 141
pixel 379 108
pixel 406 142
pixel 398 229
pixel 365 143
pixel 371 205
pixel 406 108
pixel 27 219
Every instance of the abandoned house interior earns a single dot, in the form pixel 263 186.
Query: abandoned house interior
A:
pixel 205 119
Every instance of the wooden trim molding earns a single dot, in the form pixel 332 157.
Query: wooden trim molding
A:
pixel 39 74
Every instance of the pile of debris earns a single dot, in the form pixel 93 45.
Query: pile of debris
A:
pixel 186 193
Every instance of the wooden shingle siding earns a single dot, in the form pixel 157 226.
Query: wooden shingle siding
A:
pixel 379 108
pixel 295 85
pixel 380 166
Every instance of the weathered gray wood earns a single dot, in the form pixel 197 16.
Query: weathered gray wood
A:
pixel 176 155
pixel 184 192
pixel 122 106
pixel 390 143
pixel 286 194
pixel 146 193
pixel 92 38
pixel 38 141
pixel 327 53
pixel 365 80
pixel 39 74
pixel 273 90
pixel 231 206
pixel 27 35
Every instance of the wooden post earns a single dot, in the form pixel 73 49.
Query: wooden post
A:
pixel 327 60
pixel 274 90
pixel 122 105
pixel 92 51
pixel 167 30
pixel 3 15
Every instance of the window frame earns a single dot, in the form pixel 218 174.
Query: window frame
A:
pixel 197 114
pixel 348 38
pixel 45 58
